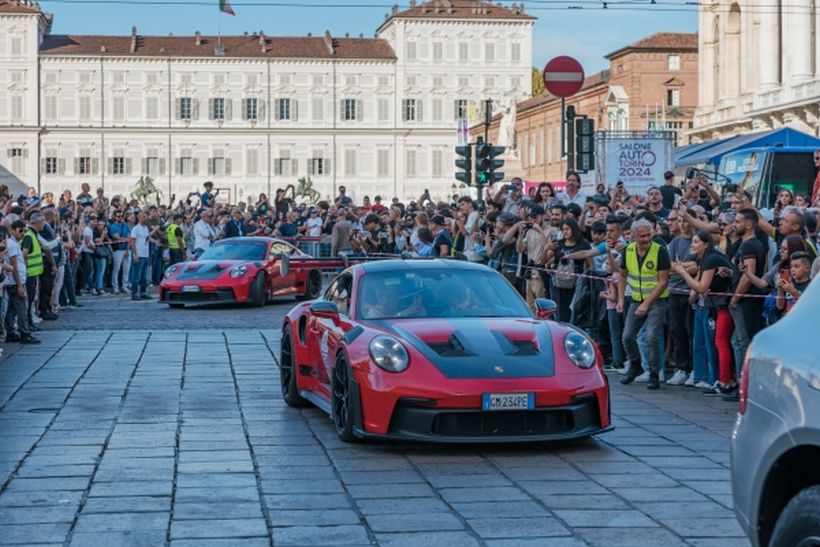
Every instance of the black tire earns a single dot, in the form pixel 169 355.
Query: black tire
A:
pixel 799 523
pixel 313 286
pixel 342 403
pixel 258 296
pixel 176 306
pixel 287 372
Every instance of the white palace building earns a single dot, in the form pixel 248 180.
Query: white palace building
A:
pixel 759 67
pixel 253 113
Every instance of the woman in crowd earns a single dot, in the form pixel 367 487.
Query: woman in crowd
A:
pixel 572 242
pixel 784 199
pixel 713 323
pixel 545 194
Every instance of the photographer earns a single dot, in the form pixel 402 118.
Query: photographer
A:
pixel 374 240
pixel 532 240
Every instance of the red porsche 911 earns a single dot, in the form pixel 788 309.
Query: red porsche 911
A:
pixel 444 351
pixel 242 269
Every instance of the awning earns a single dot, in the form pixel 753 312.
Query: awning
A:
pixel 711 152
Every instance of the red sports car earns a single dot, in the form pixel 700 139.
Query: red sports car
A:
pixel 440 350
pixel 242 269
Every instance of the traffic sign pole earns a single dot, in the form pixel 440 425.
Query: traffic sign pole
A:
pixel 564 77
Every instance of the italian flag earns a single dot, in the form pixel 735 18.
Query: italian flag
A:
pixel 225 7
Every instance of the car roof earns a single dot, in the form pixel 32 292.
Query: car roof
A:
pixel 248 239
pixel 419 264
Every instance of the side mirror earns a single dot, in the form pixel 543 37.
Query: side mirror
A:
pixel 545 308
pixel 284 264
pixel 324 308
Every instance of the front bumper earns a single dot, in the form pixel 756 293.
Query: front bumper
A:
pixel 414 421
pixel 208 293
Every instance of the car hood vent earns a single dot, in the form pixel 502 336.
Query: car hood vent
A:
pixel 478 347
pixel 456 346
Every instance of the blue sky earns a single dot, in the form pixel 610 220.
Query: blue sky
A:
pixel 585 34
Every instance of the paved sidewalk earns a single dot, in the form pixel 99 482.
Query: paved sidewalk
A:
pixel 180 438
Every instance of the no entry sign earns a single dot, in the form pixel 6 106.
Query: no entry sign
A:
pixel 563 76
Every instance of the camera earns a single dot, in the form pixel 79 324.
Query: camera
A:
pixel 2 247
pixel 691 173
pixel 731 188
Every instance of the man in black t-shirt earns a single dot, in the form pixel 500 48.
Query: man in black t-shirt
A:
pixel 746 305
pixel 669 190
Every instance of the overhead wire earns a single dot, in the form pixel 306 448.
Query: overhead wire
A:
pixel 646 6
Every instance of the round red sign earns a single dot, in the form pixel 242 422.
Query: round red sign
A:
pixel 563 76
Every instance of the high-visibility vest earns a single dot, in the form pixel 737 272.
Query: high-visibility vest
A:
pixel 644 278
pixel 34 261
pixel 171 235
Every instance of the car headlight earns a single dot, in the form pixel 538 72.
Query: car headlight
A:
pixel 389 354
pixel 238 271
pixel 169 273
pixel 580 349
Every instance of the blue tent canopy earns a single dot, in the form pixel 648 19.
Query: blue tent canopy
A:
pixel 711 152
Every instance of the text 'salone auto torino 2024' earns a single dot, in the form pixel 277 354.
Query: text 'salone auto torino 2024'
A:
pixel 250 270
pixel 442 351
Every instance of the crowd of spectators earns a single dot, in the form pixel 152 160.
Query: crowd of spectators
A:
pixel 729 268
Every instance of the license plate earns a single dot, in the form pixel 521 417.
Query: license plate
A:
pixel 508 401
pixel 190 288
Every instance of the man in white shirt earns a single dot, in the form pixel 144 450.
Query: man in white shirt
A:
pixel 140 250
pixel 203 233
pixel 314 225
pixel 573 193
pixel 16 288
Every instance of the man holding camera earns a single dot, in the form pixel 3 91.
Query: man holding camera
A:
pixel 532 239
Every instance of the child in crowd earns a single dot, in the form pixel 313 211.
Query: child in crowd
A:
pixel 789 290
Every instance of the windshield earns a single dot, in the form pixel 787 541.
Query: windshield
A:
pixel 744 168
pixel 438 293
pixel 227 250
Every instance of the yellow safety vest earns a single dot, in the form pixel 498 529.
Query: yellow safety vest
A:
pixel 644 278
pixel 171 235
pixel 34 262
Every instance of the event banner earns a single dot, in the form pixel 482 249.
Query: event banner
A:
pixel 638 162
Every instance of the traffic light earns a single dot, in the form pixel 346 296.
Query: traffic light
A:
pixel 465 164
pixel 486 163
pixel 584 144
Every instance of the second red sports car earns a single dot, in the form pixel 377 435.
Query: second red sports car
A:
pixel 440 350
pixel 242 269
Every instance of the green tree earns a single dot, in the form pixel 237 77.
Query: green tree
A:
pixel 537 83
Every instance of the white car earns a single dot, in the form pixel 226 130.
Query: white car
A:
pixel 776 440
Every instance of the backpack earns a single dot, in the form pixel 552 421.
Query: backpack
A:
pixel 565 274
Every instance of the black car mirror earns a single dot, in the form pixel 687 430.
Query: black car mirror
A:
pixel 324 308
pixel 545 308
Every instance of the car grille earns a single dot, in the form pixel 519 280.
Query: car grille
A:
pixel 222 295
pixel 516 422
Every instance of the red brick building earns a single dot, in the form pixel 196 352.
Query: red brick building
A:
pixel 654 80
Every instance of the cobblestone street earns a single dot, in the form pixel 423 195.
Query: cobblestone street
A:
pixel 168 436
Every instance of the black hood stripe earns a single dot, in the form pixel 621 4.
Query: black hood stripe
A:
pixel 487 352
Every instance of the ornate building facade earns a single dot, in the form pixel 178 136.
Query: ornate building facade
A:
pixel 254 113
pixel 759 67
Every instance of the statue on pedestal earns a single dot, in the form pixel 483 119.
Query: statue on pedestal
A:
pixel 506 129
